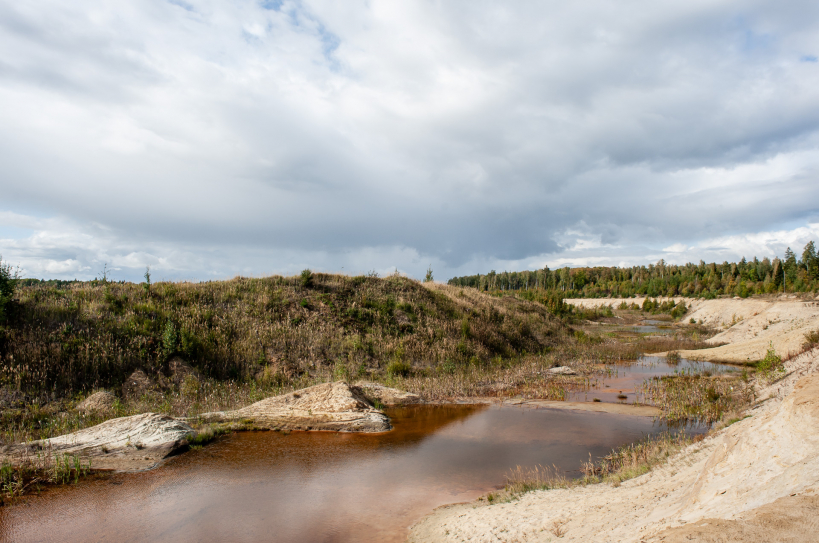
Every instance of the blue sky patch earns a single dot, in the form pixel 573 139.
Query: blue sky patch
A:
pixel 273 5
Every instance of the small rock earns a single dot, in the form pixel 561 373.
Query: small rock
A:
pixel 562 370
pixel 97 403
pixel 386 396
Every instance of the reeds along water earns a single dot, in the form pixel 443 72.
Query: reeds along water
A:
pixel 698 397
pixel 31 470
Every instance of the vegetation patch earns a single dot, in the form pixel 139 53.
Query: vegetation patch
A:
pixel 34 472
pixel 698 397
pixel 207 435
pixel 620 465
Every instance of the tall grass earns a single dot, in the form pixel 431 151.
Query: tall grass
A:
pixel 91 335
pixel 33 470
pixel 621 464
pixel 697 397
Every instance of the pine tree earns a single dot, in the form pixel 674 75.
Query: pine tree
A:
pixel 8 282
pixel 810 260
pixel 790 265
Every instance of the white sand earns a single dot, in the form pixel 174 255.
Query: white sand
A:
pixel 748 326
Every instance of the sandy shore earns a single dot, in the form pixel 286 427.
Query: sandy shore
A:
pixel 756 480
pixel 748 327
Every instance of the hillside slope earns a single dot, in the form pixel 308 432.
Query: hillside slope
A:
pixel 95 334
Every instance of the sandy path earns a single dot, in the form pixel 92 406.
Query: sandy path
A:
pixel 748 326
pixel 735 475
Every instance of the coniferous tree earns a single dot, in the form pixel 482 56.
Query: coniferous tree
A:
pixel 8 282
pixel 810 260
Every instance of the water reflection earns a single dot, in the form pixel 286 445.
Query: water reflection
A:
pixel 267 486
pixel 623 381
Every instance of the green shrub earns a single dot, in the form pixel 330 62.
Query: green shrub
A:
pixel 170 339
pixel 306 278
pixel 771 364
pixel 399 368
pixel 679 310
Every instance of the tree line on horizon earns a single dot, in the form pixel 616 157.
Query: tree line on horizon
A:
pixel 743 278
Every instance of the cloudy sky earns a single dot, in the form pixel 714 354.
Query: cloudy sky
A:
pixel 208 139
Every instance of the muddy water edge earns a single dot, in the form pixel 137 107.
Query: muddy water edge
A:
pixel 270 486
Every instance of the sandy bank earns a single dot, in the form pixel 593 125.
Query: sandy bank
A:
pixel 736 476
pixel 748 326
pixel 597 407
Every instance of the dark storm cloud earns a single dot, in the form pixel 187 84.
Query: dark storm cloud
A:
pixel 203 138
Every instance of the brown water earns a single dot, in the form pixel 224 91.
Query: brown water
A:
pixel 626 379
pixel 322 487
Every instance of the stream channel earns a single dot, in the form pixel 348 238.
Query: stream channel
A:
pixel 329 487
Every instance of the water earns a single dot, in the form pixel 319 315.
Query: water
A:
pixel 626 378
pixel 650 329
pixel 322 487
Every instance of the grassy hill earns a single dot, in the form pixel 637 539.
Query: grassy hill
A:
pixel 281 330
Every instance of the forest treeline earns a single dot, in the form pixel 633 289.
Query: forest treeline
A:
pixel 744 278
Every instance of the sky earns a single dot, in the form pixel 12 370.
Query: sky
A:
pixel 212 139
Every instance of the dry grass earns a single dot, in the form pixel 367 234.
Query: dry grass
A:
pixel 622 464
pixel 254 338
pixel 698 397
pixel 93 335
pixel 635 459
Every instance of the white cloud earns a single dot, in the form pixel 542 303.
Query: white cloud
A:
pixel 230 138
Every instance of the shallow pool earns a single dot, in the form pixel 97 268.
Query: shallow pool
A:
pixel 322 487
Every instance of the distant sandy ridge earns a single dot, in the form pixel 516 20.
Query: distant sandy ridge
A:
pixel 749 326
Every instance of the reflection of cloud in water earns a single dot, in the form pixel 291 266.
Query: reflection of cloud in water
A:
pixel 324 487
